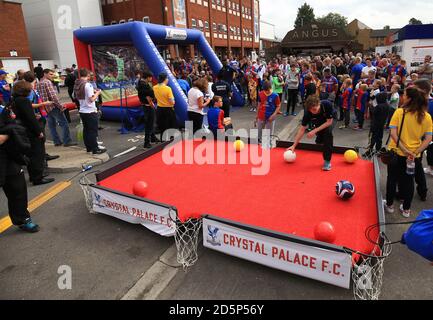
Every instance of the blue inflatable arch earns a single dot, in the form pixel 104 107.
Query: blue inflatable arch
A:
pixel 144 37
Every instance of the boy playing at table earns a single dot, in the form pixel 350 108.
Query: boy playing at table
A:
pixel 321 115
pixel 269 108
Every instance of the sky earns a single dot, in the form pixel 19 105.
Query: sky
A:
pixel 374 13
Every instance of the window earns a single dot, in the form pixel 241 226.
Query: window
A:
pixel 223 3
pixel 146 19
pixel 206 25
pixel 130 19
pixel 122 21
pixel 200 24
pixel 193 23
pixel 214 27
pixel 114 22
pixel 239 31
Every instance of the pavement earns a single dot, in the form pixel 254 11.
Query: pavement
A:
pixel 111 259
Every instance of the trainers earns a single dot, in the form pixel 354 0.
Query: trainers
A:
pixel 100 143
pixel 342 127
pixel 251 109
pixel 327 166
pixel 286 114
pixel 405 213
pixel 29 227
pixel 294 114
pixel 70 144
pixel 428 171
pixel 388 209
pixel 99 151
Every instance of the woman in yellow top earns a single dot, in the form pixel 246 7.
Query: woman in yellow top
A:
pixel 416 135
pixel 165 115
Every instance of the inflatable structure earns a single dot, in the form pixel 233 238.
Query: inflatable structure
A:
pixel 144 37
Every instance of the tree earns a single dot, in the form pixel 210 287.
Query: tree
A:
pixel 415 21
pixel 386 27
pixel 305 16
pixel 334 19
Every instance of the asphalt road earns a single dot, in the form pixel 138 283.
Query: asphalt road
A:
pixel 107 256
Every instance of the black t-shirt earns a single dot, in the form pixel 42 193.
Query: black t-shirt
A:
pixel 145 90
pixel 222 89
pixel 341 70
pixel 326 113
pixel 228 73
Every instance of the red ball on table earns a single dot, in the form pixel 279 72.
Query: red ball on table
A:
pixel 140 189
pixel 325 232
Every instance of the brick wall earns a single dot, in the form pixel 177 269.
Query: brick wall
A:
pixel 137 9
pixel 13 30
pixel 134 9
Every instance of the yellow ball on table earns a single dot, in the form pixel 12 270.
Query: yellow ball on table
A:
pixel 239 145
pixel 350 156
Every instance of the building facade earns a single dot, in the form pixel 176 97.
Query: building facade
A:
pixel 369 38
pixel 50 25
pixel 230 26
pixel 15 51
pixel 317 39
pixel 412 43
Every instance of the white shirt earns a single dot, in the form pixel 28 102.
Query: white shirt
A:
pixel 367 69
pixel 86 105
pixel 375 93
pixel 209 90
pixel 193 95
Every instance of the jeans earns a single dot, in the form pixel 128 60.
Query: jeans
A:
pixel 292 99
pixel 15 190
pixel 197 120
pixel 326 138
pixel 268 125
pixel 376 138
pixel 149 124
pixel 360 117
pixel 397 176
pixel 37 159
pixel 90 131
pixel 58 117
pixel 166 119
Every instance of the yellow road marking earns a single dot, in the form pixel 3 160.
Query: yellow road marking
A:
pixel 6 223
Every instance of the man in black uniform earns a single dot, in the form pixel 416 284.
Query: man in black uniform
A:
pixel 147 98
pixel 321 115
pixel 223 89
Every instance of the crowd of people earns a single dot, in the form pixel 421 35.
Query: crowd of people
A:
pixel 27 106
pixel 327 89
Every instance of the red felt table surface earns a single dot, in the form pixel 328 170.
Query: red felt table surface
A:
pixel 291 198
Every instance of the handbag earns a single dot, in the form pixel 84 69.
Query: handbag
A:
pixel 388 156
